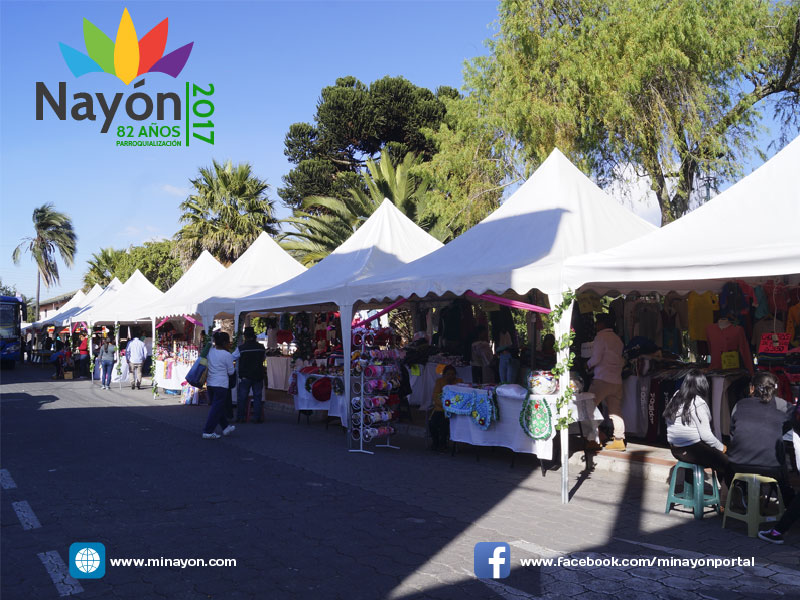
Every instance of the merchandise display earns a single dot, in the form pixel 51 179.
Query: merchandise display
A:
pixel 376 382
pixel 172 362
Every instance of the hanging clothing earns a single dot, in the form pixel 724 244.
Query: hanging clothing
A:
pixel 728 339
pixel 617 308
pixel 648 321
pixel 701 313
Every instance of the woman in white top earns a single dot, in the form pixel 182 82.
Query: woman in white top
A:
pixel 220 368
pixel 689 426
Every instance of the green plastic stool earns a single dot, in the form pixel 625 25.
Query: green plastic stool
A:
pixel 752 515
pixel 693 494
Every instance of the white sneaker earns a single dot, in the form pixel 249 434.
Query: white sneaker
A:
pixel 229 430
pixel 211 436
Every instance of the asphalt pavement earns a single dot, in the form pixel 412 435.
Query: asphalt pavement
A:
pixel 304 518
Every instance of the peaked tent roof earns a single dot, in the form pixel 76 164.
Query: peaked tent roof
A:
pixel 262 266
pixel 385 241
pixel 557 213
pixel 71 305
pixel 123 305
pixel 93 299
pixel 747 231
pixel 181 298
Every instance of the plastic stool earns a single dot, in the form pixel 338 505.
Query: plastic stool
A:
pixel 693 494
pixel 753 516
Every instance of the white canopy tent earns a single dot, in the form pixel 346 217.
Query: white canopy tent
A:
pixel 262 266
pixel 72 305
pixel 123 305
pixel 558 213
pixel 385 241
pixel 749 231
pixel 104 296
pixel 181 299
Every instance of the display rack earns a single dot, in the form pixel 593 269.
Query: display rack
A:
pixel 371 411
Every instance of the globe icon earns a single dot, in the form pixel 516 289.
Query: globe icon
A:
pixel 87 560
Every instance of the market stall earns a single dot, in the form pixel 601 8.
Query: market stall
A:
pixel 383 242
pixel 498 423
pixel 423 378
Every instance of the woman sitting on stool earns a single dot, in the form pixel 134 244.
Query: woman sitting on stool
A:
pixel 689 427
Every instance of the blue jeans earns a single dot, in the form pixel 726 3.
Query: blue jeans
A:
pixel 245 385
pixel 216 414
pixel 105 376
pixel 508 368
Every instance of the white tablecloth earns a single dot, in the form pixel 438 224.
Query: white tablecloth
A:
pixel 178 375
pixel 279 372
pixel 422 384
pixel 304 400
pixel 507 432
pixel 122 377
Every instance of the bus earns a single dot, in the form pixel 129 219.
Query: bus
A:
pixel 12 313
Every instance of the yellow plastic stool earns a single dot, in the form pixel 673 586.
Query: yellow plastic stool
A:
pixel 753 516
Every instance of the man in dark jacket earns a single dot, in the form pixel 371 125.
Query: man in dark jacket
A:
pixel 250 361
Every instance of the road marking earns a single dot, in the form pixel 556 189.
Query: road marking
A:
pixel 6 482
pixel 535 549
pixel 26 515
pixel 59 573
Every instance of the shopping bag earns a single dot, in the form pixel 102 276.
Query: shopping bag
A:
pixel 198 373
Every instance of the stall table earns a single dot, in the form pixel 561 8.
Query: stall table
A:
pixel 304 400
pixel 422 384
pixel 506 430
pixel 170 375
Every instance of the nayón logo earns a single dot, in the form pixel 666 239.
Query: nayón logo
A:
pixel 87 560
pixel 129 58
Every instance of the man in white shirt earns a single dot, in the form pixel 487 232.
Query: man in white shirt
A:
pixel 607 362
pixel 136 353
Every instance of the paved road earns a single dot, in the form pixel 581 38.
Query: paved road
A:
pixel 305 519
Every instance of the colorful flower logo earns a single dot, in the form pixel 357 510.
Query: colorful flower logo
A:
pixel 127 57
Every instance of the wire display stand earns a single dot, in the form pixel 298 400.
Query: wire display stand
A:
pixel 370 417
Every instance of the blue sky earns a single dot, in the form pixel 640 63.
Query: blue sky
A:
pixel 268 62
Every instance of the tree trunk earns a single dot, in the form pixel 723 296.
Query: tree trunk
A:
pixel 38 284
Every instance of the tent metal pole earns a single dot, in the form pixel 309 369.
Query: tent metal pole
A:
pixel 346 312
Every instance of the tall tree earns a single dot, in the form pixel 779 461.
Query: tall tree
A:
pixel 354 122
pixel 326 222
pixel 676 89
pixel 227 210
pixel 156 260
pixel 53 234
pixel 102 268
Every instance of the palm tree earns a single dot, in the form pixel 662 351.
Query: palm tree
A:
pixel 325 222
pixel 54 232
pixel 102 267
pixel 227 210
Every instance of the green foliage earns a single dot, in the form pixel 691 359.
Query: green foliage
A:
pixel 227 210
pixel 11 290
pixel 102 268
pixel 53 234
pixel 354 122
pixel 563 366
pixel 156 261
pixel 326 222
pixel 676 88
pixel 467 175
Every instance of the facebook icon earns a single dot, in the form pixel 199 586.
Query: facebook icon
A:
pixel 492 560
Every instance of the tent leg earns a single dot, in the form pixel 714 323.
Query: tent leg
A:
pixel 153 356
pixel 346 312
pixel 116 343
pixel 561 328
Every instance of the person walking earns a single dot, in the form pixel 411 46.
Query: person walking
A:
pixel 250 360
pixel 220 369
pixel 83 356
pixel 607 362
pixel 108 356
pixel 136 353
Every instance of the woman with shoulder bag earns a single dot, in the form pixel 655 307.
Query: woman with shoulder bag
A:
pixel 108 353
pixel 220 369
